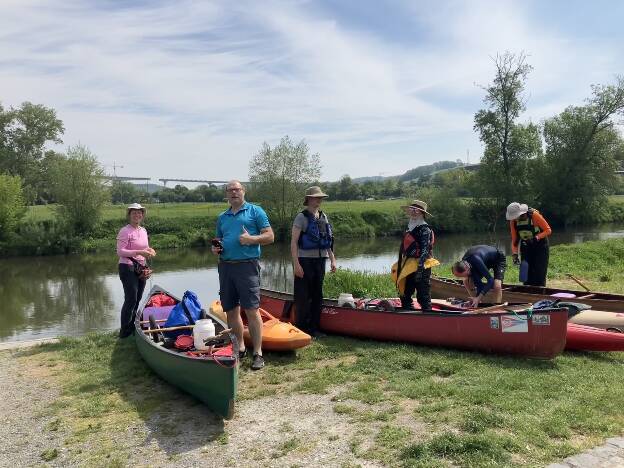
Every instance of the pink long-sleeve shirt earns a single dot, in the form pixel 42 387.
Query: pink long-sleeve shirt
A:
pixel 131 240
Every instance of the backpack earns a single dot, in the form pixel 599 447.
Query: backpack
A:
pixel 186 312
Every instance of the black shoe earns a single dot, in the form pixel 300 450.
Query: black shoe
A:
pixel 242 354
pixel 257 363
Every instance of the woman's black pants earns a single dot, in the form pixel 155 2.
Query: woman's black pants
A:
pixel 133 291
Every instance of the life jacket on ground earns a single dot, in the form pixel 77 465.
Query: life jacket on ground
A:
pixel 410 247
pixel 525 229
pixel 319 233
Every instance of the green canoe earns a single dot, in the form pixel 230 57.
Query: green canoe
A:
pixel 214 383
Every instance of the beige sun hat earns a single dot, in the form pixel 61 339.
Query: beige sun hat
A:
pixel 417 205
pixel 135 206
pixel 515 209
pixel 314 192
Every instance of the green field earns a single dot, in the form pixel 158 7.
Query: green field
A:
pixel 183 210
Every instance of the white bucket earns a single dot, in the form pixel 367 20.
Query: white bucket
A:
pixel 203 330
pixel 346 299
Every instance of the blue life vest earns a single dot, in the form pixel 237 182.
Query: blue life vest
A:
pixel 319 233
pixel 186 312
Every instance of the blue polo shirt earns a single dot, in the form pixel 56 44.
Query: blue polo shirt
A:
pixel 230 227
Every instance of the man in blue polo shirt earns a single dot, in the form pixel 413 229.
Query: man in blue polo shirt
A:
pixel 242 229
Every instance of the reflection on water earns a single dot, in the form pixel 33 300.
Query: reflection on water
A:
pixel 72 295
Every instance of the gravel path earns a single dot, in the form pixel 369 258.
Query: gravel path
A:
pixel 26 432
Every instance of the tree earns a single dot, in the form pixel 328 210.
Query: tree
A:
pixel 124 192
pixel 78 186
pixel 508 145
pixel 577 171
pixel 347 189
pixel 279 177
pixel 12 206
pixel 24 133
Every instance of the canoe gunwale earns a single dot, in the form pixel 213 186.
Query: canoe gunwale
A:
pixel 161 360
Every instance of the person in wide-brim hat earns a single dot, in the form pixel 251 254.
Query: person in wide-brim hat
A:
pixel 313 192
pixel 311 246
pixel 135 206
pixel 417 205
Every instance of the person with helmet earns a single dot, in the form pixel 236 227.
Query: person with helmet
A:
pixel 311 244
pixel 132 247
pixel 417 244
pixel 529 236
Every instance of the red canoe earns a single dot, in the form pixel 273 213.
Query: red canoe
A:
pixel 541 336
pixel 584 338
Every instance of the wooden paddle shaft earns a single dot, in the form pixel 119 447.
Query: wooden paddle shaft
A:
pixel 182 327
pixel 578 281
pixel 487 309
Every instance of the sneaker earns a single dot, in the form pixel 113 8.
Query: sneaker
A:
pixel 242 354
pixel 257 363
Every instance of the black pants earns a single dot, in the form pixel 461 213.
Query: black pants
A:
pixel 309 294
pixel 422 288
pixel 536 255
pixel 133 291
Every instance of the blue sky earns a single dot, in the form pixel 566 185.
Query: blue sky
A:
pixel 191 89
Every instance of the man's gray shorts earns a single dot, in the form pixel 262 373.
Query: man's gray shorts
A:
pixel 239 283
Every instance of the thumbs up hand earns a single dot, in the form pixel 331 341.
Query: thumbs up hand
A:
pixel 245 238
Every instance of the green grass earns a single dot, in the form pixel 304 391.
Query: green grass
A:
pixel 185 210
pixel 598 264
pixel 408 405
pixel 155 210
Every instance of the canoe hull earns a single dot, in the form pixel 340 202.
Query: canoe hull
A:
pixel 613 321
pixel 499 333
pixel 215 385
pixel 584 338
pixel 444 288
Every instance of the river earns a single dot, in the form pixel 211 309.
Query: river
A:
pixel 43 297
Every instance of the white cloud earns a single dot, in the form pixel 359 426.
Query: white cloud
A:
pixel 187 88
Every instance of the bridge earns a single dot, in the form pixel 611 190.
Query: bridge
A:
pixel 198 181
pixel 116 177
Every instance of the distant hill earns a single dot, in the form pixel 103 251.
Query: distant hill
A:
pixel 150 188
pixel 415 173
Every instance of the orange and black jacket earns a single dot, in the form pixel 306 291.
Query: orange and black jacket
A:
pixel 534 227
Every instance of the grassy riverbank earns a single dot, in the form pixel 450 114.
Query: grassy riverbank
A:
pixel 184 225
pixel 347 401
pixel 179 225
pixel 598 264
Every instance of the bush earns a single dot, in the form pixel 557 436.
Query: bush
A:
pixel 12 206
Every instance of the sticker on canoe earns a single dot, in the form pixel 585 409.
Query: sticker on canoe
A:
pixel 541 319
pixel 494 323
pixel 513 324
pixel 329 310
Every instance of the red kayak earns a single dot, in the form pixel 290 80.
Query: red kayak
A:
pixel 541 336
pixel 584 338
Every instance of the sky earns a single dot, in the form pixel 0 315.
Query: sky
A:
pixel 191 89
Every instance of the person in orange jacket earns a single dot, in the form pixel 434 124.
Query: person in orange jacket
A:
pixel 529 236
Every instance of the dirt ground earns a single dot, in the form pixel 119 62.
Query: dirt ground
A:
pixel 277 431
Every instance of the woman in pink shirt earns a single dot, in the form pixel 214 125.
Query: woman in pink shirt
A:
pixel 132 242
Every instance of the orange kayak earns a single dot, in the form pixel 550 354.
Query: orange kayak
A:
pixel 276 335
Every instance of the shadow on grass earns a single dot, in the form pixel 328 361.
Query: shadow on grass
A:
pixel 175 420
pixel 101 366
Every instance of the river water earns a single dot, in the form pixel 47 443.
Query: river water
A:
pixel 71 295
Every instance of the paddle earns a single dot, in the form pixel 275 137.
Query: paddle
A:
pixel 181 327
pixel 578 281
pixel 488 309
